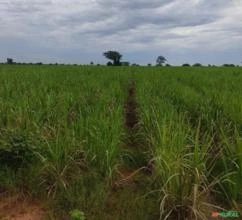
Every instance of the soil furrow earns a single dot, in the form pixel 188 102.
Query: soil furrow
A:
pixel 131 117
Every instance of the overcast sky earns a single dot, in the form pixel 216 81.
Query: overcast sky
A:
pixel 79 31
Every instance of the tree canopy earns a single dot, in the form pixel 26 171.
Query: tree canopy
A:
pixel 160 60
pixel 114 56
pixel 109 63
pixel 9 61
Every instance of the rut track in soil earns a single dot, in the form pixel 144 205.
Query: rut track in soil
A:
pixel 131 116
pixel 133 142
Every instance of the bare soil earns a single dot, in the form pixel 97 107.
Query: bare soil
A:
pixel 20 207
pixel 131 114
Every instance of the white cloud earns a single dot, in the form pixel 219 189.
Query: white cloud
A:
pixel 129 26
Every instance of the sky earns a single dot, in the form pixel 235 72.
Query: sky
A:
pixel 79 31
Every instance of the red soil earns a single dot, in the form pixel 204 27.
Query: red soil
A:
pixel 19 207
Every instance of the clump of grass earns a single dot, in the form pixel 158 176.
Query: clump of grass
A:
pixel 181 171
pixel 77 215
pixel 16 151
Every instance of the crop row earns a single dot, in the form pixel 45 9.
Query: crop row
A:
pixel 62 136
pixel 195 142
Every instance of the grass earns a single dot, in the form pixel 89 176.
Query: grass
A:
pixel 62 138
pixel 193 140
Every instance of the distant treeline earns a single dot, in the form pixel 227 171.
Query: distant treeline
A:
pixel 11 62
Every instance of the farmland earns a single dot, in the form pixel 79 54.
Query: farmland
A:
pixel 122 142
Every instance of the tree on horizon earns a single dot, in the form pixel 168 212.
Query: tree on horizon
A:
pixel 9 61
pixel 115 56
pixel 160 60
